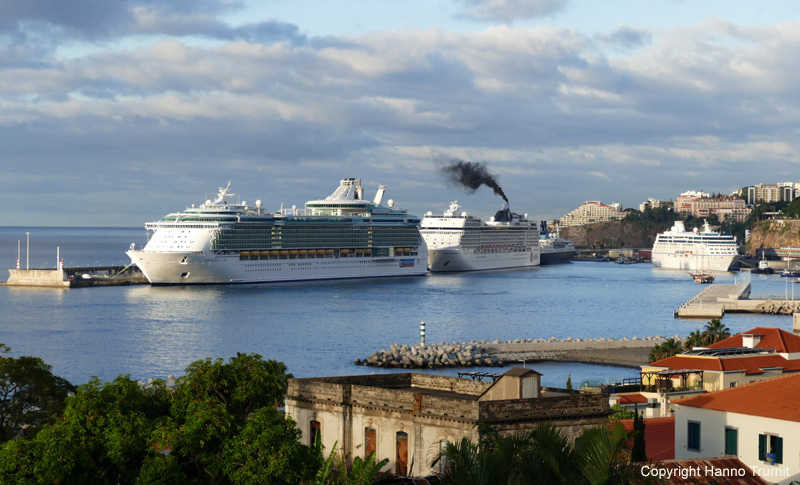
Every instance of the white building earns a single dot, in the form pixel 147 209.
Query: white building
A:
pixel 759 423
pixel 653 203
pixel 593 212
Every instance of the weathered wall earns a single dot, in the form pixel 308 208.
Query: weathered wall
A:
pixel 774 234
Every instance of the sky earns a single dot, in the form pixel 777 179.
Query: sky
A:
pixel 116 113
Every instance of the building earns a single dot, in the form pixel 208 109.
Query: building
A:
pixel 758 354
pixel 683 203
pixel 780 192
pixel 593 212
pixel 651 202
pixel 732 209
pixel 759 423
pixel 408 417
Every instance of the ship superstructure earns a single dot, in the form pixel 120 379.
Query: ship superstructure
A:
pixel 458 241
pixel 341 236
pixel 694 250
pixel 555 249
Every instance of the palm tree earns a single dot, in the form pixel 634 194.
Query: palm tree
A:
pixel 671 347
pixel 656 353
pixel 543 455
pixel 695 339
pixel 715 331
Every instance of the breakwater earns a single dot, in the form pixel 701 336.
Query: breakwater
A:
pixel 623 352
pixel 78 277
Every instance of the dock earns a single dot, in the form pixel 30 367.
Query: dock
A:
pixel 77 277
pixel 715 301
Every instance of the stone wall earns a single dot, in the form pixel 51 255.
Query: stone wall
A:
pixel 774 234
pixel 545 408
pixel 450 384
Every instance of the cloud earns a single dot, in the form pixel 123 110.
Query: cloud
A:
pixel 507 11
pixel 625 38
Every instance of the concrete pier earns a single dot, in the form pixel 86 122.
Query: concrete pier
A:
pixel 76 277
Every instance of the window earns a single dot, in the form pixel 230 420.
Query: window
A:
pixel 770 448
pixel 316 430
pixel 369 441
pixel 731 441
pixel 693 436
pixel 401 460
pixel 444 461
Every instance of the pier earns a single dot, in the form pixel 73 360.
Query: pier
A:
pixel 715 301
pixel 77 277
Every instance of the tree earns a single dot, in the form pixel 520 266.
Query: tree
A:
pixel 638 453
pixel 543 455
pixel 715 331
pixel 695 339
pixel 218 425
pixel 665 349
pixel 30 395
pixel 569 382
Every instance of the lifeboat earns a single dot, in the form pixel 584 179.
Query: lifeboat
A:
pixel 264 253
pixel 359 251
pixel 244 254
pixel 302 252
pixel 283 252
pixel 344 251
pixel 312 252
pixel 292 252
pixel 329 251
pixel 273 253
pixel 368 251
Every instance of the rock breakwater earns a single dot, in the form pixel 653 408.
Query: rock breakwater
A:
pixel 497 353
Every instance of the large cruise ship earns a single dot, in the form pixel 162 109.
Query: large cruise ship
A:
pixel 694 250
pixel 458 241
pixel 555 249
pixel 342 236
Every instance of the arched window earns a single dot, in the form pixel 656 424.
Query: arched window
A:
pixel 401 460
pixel 315 430
pixel 370 443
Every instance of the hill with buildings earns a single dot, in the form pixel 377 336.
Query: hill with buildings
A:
pixel 613 234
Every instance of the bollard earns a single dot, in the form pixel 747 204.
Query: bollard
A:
pixel 422 332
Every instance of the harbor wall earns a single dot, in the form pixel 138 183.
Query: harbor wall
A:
pixel 52 278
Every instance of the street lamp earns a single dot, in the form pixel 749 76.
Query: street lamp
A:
pixel 28 251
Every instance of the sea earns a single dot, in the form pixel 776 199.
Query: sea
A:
pixel 320 328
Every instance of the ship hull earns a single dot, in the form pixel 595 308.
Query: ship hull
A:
pixel 457 259
pixel 692 262
pixel 162 268
pixel 557 257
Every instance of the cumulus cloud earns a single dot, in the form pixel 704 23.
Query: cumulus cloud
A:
pixel 509 10
pixel 558 120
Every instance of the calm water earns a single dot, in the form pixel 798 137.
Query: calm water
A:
pixel 319 329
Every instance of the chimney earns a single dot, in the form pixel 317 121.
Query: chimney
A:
pixel 751 340
pixel 796 323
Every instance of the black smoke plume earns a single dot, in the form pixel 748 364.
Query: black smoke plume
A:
pixel 472 175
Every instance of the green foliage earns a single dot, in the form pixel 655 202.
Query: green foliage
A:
pixel 218 425
pixel 715 331
pixel 569 382
pixel 30 395
pixel 665 349
pixel 543 455
pixel 620 413
pixel 638 453
pixel 695 339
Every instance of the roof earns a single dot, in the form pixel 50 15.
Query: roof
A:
pixel 632 399
pixel 749 364
pixel 771 338
pixel 520 372
pixel 659 437
pixel 774 398
pixel 727 471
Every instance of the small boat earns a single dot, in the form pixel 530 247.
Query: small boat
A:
pixel 701 278
pixel 790 273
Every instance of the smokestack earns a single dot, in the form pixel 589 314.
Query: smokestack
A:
pixel 472 175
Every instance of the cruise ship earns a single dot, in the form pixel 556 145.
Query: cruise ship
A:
pixel 694 250
pixel 458 241
pixel 341 236
pixel 556 249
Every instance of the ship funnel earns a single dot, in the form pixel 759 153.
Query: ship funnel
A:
pixel 359 190
pixel 379 194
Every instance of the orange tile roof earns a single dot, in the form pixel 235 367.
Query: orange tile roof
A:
pixel 659 437
pixel 695 471
pixel 632 399
pixel 750 364
pixel 771 338
pixel 774 398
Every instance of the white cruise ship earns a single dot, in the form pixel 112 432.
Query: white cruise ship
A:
pixel 342 236
pixel 458 241
pixel 695 250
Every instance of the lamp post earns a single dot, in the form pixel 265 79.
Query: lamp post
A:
pixel 28 251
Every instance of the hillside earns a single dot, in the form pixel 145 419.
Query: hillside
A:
pixel 774 234
pixel 616 234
